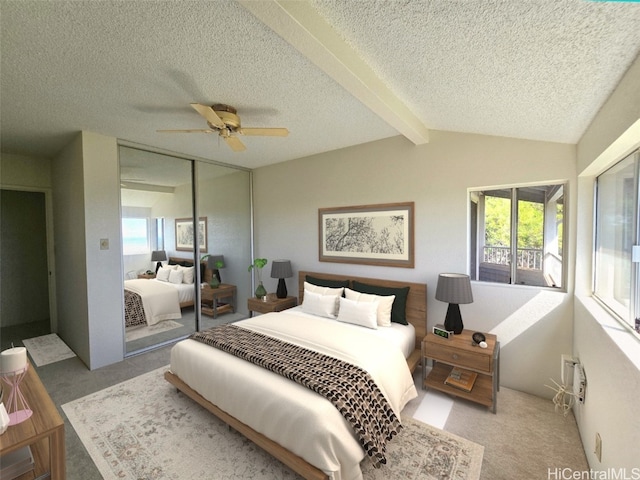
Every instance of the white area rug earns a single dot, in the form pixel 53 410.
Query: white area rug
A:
pixel 47 349
pixel 134 333
pixel 144 428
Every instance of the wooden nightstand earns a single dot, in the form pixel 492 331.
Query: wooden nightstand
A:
pixel 272 304
pixel 148 276
pixel 459 351
pixel 209 298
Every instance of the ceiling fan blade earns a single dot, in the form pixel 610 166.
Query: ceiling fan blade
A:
pixel 208 113
pixel 268 132
pixel 235 143
pixel 201 130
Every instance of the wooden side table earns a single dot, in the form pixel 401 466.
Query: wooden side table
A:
pixel 271 304
pixel 209 298
pixel 148 276
pixel 459 351
pixel 43 431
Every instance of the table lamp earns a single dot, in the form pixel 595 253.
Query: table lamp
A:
pixel 158 256
pixel 454 288
pixel 281 269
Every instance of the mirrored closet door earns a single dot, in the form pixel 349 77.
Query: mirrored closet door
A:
pixel 224 200
pixel 158 246
pixel 185 255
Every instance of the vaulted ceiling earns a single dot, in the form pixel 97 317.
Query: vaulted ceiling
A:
pixel 335 73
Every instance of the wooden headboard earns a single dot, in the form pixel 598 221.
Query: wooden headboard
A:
pixel 416 303
pixel 189 261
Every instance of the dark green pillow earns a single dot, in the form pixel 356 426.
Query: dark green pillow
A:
pixel 399 308
pixel 323 282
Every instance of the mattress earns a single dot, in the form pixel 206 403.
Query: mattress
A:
pixel 302 421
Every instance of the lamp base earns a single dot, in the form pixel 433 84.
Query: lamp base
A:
pixel 453 320
pixel 281 292
pixel 158 266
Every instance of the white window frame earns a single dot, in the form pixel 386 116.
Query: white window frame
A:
pixel 476 241
pixel 607 274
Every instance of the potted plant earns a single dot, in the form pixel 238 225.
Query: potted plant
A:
pixel 259 264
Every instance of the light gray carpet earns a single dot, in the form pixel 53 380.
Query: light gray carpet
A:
pixel 143 428
pixel 526 438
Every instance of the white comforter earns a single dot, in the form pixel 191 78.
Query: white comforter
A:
pixel 302 421
pixel 159 300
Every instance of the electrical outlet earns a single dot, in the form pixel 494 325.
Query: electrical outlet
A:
pixel 598 450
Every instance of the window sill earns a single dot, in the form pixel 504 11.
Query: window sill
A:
pixel 519 286
pixel 623 337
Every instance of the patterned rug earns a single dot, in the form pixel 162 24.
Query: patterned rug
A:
pixel 141 331
pixel 47 349
pixel 143 428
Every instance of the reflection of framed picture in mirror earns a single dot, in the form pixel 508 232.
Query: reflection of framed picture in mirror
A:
pixel 185 237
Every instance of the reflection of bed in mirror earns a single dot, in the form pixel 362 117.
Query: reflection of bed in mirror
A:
pixel 150 301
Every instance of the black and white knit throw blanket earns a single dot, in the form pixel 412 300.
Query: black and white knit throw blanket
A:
pixel 350 388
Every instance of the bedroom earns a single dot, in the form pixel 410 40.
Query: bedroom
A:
pixel 436 177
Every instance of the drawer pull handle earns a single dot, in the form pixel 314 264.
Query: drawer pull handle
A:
pixel 455 356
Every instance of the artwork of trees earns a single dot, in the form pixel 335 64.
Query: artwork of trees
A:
pixel 365 234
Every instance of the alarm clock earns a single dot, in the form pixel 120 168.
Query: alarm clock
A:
pixel 440 331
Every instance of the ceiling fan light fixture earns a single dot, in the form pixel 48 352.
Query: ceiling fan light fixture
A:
pixel 224 120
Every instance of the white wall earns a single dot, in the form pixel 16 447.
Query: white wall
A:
pixel 104 270
pixel 71 264
pixel 23 171
pixel 610 354
pixel 86 210
pixel 534 325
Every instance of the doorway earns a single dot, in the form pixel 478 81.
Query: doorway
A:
pixel 24 297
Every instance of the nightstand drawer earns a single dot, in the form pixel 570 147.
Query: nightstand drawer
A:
pixel 459 357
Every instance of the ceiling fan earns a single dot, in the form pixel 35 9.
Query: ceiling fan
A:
pixel 224 120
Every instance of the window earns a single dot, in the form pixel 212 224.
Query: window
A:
pixel 616 234
pixel 517 235
pixel 135 236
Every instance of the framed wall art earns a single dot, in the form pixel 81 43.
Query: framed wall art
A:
pixel 367 234
pixel 184 234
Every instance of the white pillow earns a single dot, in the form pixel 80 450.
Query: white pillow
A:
pixel 175 276
pixel 163 274
pixel 385 303
pixel 188 274
pixel 364 314
pixel 323 290
pixel 320 305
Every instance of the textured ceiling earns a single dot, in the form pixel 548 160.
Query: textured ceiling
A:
pixel 335 73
